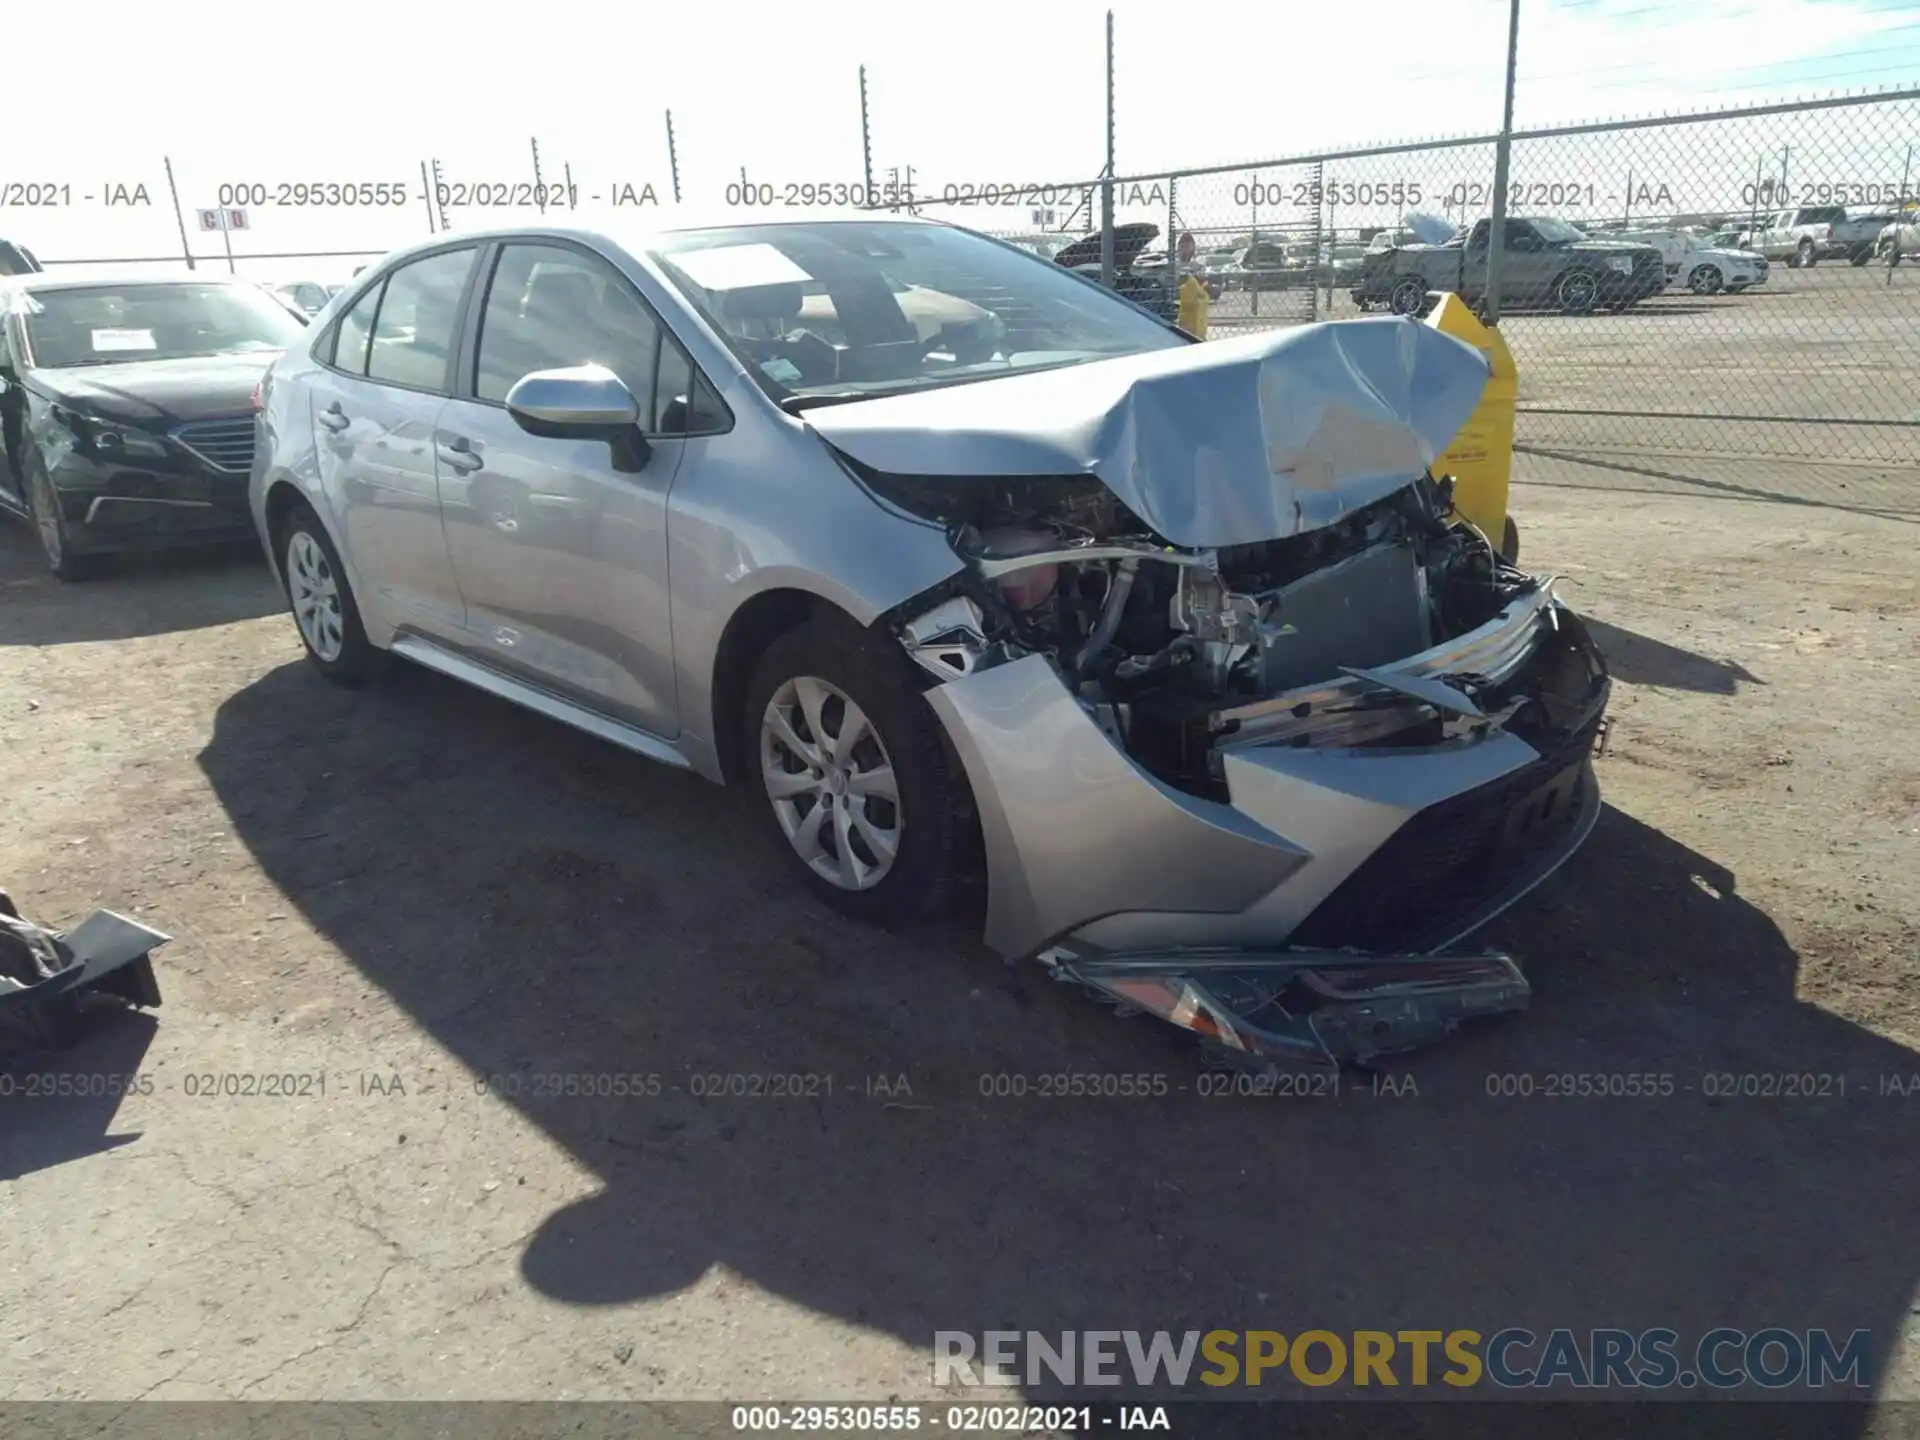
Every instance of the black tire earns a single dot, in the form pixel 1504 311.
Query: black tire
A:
pixel 1510 541
pixel 1706 280
pixel 1576 292
pixel 1805 257
pixel 937 856
pixel 1408 296
pixel 357 661
pixel 1860 256
pixel 50 528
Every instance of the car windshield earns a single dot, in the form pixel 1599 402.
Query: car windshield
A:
pixel 851 309
pixel 1556 232
pixel 115 324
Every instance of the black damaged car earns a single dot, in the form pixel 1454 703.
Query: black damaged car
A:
pixel 1148 291
pixel 126 410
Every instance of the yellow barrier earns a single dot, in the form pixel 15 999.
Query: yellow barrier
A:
pixel 1480 459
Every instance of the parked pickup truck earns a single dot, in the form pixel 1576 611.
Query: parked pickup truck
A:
pixel 1813 233
pixel 1549 265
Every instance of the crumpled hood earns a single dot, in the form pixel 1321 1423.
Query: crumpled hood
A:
pixel 158 394
pixel 1225 443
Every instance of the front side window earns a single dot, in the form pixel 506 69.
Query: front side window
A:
pixel 1556 232
pixel 413 333
pixel 856 308
pixel 152 320
pixel 551 308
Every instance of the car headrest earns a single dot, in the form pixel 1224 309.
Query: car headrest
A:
pixel 761 302
pixel 562 292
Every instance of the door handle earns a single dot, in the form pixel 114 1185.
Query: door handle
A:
pixel 334 418
pixel 459 454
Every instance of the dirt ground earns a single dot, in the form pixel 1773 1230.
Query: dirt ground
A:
pixel 406 890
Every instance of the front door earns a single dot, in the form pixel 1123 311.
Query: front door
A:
pixel 562 560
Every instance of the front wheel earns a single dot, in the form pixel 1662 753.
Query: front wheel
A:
pixel 1408 296
pixel 50 525
pixel 853 775
pixel 1707 280
pixel 1577 293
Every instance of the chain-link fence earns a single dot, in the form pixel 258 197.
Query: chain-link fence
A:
pixel 1733 284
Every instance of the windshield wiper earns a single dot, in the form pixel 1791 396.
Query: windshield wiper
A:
pixel 794 404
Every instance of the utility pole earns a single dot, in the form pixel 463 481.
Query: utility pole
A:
pixel 426 196
pixel 866 140
pixel 539 189
pixel 673 159
pixel 1106 184
pixel 1785 151
pixel 179 215
pixel 1502 165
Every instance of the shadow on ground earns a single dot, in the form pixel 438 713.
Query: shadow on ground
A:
pixel 134 596
pixel 539 902
pixel 60 1107
pixel 1705 488
pixel 1642 660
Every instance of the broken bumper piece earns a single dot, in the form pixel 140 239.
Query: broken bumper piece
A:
pixel 47 977
pixel 1300 1009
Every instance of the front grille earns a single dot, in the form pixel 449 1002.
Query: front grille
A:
pixel 1452 859
pixel 226 445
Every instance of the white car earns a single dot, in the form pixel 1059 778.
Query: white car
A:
pixel 1703 269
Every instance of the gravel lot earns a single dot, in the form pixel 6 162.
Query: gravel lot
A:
pixel 404 889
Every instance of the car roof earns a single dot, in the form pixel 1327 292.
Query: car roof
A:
pixel 642 236
pixel 44 280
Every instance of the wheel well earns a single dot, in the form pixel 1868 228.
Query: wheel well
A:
pixel 754 626
pixel 282 500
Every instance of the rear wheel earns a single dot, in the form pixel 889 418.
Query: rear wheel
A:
pixel 1510 541
pixel 852 773
pixel 323 606
pixel 1804 257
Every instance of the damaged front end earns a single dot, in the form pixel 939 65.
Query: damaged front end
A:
pixel 1260 790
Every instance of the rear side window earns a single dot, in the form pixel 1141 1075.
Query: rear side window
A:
pixel 354 333
pixel 413 333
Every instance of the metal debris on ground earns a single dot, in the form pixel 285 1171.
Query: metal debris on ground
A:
pixel 51 979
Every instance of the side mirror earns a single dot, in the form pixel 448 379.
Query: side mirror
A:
pixel 583 402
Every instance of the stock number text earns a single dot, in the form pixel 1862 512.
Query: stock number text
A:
pixel 313 194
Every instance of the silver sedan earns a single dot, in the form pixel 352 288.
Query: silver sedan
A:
pixel 1174 657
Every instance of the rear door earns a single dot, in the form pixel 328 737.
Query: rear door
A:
pixel 562 559
pixel 386 374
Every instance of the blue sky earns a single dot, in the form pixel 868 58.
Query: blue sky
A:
pixel 995 91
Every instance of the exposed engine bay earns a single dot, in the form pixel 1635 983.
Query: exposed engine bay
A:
pixel 1179 653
